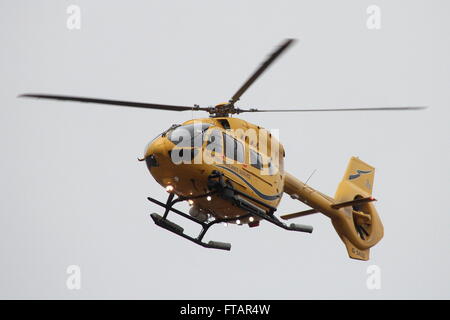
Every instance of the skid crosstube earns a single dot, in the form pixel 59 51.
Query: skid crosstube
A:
pixel 225 190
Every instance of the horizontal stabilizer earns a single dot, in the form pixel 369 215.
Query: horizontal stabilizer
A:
pixel 353 202
pixel 298 214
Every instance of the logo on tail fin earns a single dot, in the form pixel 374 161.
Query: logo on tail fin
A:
pixel 358 174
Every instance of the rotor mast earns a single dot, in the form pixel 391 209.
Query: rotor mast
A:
pixel 225 109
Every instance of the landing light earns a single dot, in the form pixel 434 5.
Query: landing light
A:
pixel 208 198
pixel 238 221
pixel 190 202
pixel 251 219
pixel 169 188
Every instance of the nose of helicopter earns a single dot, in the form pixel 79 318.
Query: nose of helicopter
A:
pixel 155 153
pixel 159 163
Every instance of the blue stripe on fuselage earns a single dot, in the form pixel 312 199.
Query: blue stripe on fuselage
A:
pixel 259 193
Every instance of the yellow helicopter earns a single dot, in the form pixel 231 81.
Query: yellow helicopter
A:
pixel 232 171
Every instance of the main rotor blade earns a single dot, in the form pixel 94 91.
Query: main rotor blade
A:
pixel 114 102
pixel 343 109
pixel 261 69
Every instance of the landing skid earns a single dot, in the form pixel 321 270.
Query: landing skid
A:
pixel 163 222
pixel 225 190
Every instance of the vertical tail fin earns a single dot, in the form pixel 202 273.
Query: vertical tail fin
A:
pixel 359 175
pixel 357 183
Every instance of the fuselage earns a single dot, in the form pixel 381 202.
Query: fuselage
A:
pixel 183 157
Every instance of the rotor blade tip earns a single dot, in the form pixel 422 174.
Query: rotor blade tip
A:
pixel 288 42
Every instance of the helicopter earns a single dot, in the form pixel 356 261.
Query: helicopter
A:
pixel 232 171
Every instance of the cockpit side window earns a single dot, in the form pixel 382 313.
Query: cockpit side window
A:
pixel 255 159
pixel 239 151
pixel 234 149
pixel 273 169
pixel 190 135
pixel 214 141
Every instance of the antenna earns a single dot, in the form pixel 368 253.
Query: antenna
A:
pixel 314 171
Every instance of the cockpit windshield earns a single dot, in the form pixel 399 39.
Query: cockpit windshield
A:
pixel 190 135
pixel 162 134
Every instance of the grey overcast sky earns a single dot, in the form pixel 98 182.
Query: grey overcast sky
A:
pixel 73 192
